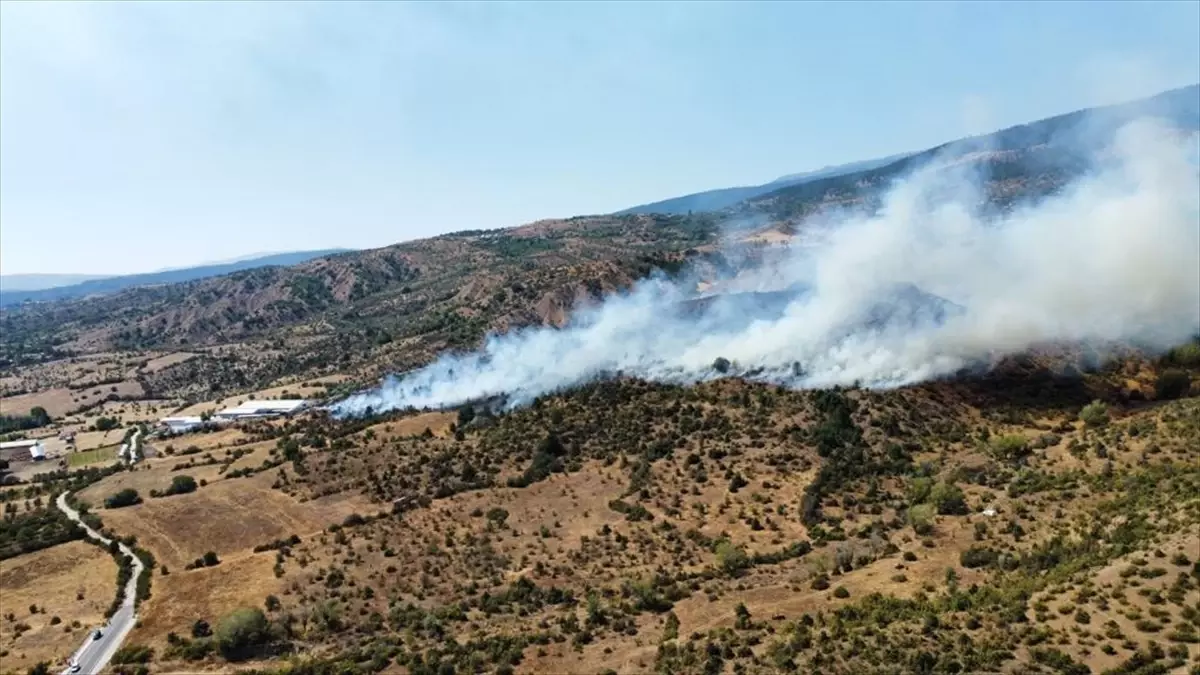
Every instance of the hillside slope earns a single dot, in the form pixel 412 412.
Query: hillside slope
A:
pixel 395 308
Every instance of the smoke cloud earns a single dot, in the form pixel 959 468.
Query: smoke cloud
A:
pixel 923 288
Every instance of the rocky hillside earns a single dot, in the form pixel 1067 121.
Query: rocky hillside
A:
pixel 372 310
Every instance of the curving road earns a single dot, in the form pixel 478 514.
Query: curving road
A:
pixel 94 655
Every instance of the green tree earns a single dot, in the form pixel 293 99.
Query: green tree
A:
pixel 240 631
pixel 1010 447
pixel 730 558
pixel 948 499
pixel 182 485
pixel 671 629
pixel 126 497
pixel 919 489
pixel 921 518
pixel 1094 415
pixel 741 619
pixel 465 415
pixel 497 516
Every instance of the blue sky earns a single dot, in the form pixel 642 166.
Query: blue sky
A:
pixel 138 136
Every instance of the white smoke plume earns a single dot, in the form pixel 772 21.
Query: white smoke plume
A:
pixel 922 289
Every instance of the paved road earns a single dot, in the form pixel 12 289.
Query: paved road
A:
pixel 94 655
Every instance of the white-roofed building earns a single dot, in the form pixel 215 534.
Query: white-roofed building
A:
pixel 261 409
pixel 15 451
pixel 179 425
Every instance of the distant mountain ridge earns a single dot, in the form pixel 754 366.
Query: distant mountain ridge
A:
pixel 1051 152
pixel 715 200
pixel 1061 136
pixel 105 285
pixel 37 282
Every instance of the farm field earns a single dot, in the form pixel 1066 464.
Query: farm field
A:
pixel 71 585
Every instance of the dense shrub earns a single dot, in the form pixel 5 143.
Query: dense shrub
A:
pixel 180 485
pixel 948 499
pixel 133 654
pixel 977 557
pixel 921 518
pixel 730 558
pixel 35 530
pixel 126 497
pixel 1185 355
pixel 1172 383
pixel 37 417
pixel 241 631
pixel 1010 447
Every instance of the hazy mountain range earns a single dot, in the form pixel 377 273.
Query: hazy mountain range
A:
pixel 18 288
pixel 714 200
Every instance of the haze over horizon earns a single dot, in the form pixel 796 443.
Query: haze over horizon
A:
pixel 143 136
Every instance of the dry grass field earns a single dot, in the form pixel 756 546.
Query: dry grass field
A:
pixel 182 597
pixel 228 516
pixel 1125 602
pixel 142 410
pixel 58 402
pixel 73 582
pixel 166 361
pixel 62 401
pixel 677 518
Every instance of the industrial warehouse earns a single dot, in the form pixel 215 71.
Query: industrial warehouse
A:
pixel 249 410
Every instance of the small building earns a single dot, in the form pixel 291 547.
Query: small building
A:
pixel 23 450
pixel 180 425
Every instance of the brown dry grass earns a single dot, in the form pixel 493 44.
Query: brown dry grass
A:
pixel 182 597
pixel 53 579
pixel 1134 594
pixel 151 475
pixel 57 402
pixel 166 361
pixel 142 410
pixel 208 440
pixel 228 516
pixel 89 440
pixel 437 422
